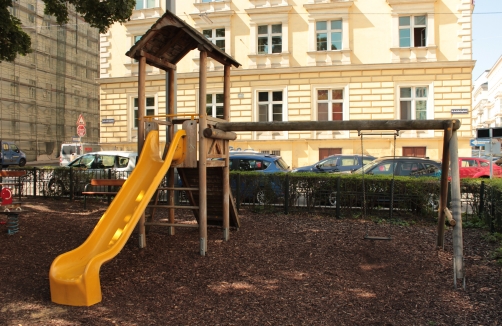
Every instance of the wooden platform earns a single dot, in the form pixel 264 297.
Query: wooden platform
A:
pixel 190 178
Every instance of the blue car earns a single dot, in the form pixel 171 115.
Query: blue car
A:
pixel 262 190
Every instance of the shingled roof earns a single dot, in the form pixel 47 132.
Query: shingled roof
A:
pixel 170 39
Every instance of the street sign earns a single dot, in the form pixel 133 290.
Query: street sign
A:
pixel 75 139
pixel 480 142
pixel 80 120
pixel 81 130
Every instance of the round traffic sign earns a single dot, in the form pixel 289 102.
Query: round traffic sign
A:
pixel 81 130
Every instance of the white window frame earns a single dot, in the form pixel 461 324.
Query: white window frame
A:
pixel 413 100
pixel 269 135
pixel 329 33
pixel 134 108
pixel 411 29
pixel 214 104
pixel 145 4
pixel 270 102
pixel 430 115
pixel 269 35
pixel 345 110
pixel 215 38
pixel 330 101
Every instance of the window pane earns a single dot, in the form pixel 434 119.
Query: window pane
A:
pixel 277 112
pixel 221 44
pixel 139 4
pixel 209 110
pixel 421 92
pixel 404 21
pixel 322 41
pixel 207 33
pixel 276 96
pixel 220 32
pixel 405 92
pixel 263 29
pixel 336 41
pixel 337 94
pixel 263 96
pixel 262 112
pixel 419 36
pixel 150 3
pixel 277 28
pixel 262 45
pixel 336 24
pixel 209 98
pixel 219 112
pixel 322 111
pixel 136 102
pixel 404 38
pixel 135 118
pixel 321 26
pixel 219 98
pixel 421 108
pixel 405 110
pixel 150 101
pixel 419 20
pixel 150 112
pixel 137 38
pixel 277 44
pixel 337 111
pixel 322 94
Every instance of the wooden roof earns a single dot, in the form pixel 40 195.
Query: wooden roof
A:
pixel 170 39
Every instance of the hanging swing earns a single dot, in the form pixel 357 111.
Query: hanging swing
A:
pixel 391 203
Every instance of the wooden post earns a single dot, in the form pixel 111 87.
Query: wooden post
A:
pixel 458 247
pixel 226 168
pixel 444 184
pixel 170 136
pixel 202 153
pixel 141 135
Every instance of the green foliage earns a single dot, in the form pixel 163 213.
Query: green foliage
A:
pixel 97 13
pixel 474 222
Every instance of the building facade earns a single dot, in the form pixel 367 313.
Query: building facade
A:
pixel 44 93
pixel 308 60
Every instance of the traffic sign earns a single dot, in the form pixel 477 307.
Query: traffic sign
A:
pixel 479 142
pixel 80 120
pixel 81 130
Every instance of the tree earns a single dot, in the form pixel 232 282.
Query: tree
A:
pixel 100 14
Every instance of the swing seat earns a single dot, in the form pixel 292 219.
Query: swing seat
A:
pixel 370 237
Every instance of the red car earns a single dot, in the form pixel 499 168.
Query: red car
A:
pixel 475 167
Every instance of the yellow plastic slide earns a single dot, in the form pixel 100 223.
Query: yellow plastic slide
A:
pixel 74 275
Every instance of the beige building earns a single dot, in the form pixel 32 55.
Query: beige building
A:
pixel 308 60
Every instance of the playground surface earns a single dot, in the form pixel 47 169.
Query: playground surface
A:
pixel 298 269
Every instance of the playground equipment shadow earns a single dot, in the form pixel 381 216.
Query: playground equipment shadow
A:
pixel 277 269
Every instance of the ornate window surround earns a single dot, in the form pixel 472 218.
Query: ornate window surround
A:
pixel 320 11
pixel 413 8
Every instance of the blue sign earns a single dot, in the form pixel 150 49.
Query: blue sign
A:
pixel 479 142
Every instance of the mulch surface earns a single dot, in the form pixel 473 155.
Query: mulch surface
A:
pixel 298 269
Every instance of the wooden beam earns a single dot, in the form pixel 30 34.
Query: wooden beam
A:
pixel 169 44
pixel 141 135
pixel 450 218
pixel 202 154
pixel 219 134
pixel 443 194
pixel 157 61
pixel 338 125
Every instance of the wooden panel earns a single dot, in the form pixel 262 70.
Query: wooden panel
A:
pixel 325 152
pixel 190 126
pixel 414 151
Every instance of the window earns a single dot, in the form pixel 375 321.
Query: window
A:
pixel 413 103
pixel 412 31
pixel 203 1
pixel 269 39
pixel 214 105
pixel 150 109
pixel 270 106
pixel 31 18
pixel 276 152
pixel 217 36
pixel 325 152
pixel 329 35
pixel 32 89
pixel 330 104
pixel 144 4
pixel 14 89
pixel 414 151
pixel 136 39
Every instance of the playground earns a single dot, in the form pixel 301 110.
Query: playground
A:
pixel 275 270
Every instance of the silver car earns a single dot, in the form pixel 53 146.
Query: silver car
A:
pixel 95 165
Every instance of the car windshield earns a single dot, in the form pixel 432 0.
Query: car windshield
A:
pixel 282 164
pixel 367 167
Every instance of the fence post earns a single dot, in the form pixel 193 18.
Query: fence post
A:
pixel 35 182
pixel 238 190
pixel 72 185
pixel 109 187
pixel 481 207
pixel 286 195
pixel 337 198
pixel 492 211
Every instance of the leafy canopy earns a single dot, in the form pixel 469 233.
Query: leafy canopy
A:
pixel 100 14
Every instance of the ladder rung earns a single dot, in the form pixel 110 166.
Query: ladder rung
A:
pixel 173 206
pixel 368 237
pixel 172 224
pixel 178 188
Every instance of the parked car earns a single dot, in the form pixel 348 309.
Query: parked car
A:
pixel 402 166
pixel 257 162
pixel 70 151
pixel 337 163
pixel 475 167
pixel 10 154
pixel 104 164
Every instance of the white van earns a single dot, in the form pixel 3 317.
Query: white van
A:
pixel 70 151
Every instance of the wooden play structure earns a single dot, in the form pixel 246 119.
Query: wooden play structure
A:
pixel 207 180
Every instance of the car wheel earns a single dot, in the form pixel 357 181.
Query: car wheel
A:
pixel 260 197
pixel 22 162
pixel 55 188
pixel 332 198
pixel 5 166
